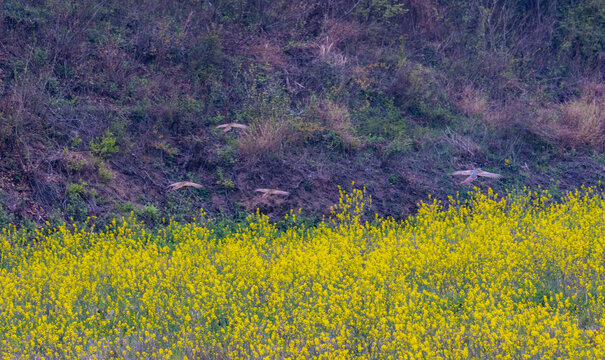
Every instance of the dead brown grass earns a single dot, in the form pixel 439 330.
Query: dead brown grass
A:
pixel 264 137
pixel 268 53
pixel 336 117
pixel 462 145
pixel 497 113
pixel 342 32
pixel 578 122
pixel 472 103
pixel 329 53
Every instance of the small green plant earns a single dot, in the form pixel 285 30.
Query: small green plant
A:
pixel 123 208
pixel 104 172
pixel 5 218
pixel 381 10
pixel 76 206
pixel 222 180
pixel 227 153
pixel 74 162
pixel 149 214
pixel 76 140
pixel 28 225
pixel 105 146
pixel 166 148
pixel 74 190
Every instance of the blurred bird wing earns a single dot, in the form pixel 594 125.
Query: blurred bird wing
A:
pixel 267 192
pixel 463 172
pixel 239 126
pixel 489 175
pixel 195 185
pixel 468 180
pixel 182 184
pixel 174 186
pixel 227 127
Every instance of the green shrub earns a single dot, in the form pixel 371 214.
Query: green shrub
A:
pixel 76 208
pixel 104 146
pixel 382 118
pixel 223 180
pixel 581 34
pixel 380 10
pixel 5 218
pixel 104 172
pixel 149 214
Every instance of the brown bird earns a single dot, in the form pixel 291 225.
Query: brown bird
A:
pixel 267 192
pixel 182 184
pixel 473 174
pixel 230 126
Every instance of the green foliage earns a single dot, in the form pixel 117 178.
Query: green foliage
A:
pixel 105 146
pixel 104 172
pixel 223 180
pixel 437 114
pixel 76 190
pixel 20 14
pixel 124 208
pixel 149 214
pixel 402 143
pixel 6 218
pixel 382 118
pixel 140 111
pixel 265 98
pixel 166 148
pixel 76 140
pixel 228 153
pixel 27 226
pixel 73 164
pixel 76 208
pixel 581 34
pixel 204 57
pixel 380 10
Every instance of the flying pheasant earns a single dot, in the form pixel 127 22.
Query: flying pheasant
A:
pixel 473 174
pixel 230 126
pixel 267 192
pixel 182 184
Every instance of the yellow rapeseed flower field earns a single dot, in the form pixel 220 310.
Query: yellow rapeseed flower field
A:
pixel 514 277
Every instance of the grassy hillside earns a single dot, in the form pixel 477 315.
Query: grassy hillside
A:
pixel 103 104
pixel 511 277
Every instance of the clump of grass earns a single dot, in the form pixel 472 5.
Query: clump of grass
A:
pixel 584 118
pixel 473 103
pixel 336 117
pixel 264 137
pixel 579 122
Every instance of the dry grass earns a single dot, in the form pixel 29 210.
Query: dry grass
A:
pixel 477 104
pixel 269 53
pixel 585 117
pixel 337 118
pixel 578 122
pixel 329 53
pixel 462 145
pixel 264 137
pixel 327 120
pixel 472 103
